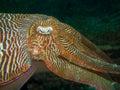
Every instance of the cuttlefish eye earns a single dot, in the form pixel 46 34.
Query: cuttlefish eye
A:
pixel 44 30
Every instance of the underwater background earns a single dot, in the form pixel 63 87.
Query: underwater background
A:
pixel 98 20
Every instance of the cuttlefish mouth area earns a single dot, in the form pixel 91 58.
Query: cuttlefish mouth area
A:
pixel 38 43
pixel 37 53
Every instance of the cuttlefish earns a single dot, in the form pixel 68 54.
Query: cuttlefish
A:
pixel 32 42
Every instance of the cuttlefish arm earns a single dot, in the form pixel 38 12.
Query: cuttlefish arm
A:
pixel 63 68
pixel 66 54
pixel 80 51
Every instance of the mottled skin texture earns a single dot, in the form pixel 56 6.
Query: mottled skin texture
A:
pixel 66 52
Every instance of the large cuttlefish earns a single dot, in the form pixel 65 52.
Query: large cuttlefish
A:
pixel 30 42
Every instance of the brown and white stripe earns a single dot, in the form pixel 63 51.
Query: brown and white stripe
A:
pixel 13 47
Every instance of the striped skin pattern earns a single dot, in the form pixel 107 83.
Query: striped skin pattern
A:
pixel 65 51
pixel 14 59
pixel 70 55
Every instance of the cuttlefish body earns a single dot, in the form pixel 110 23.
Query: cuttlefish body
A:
pixel 28 39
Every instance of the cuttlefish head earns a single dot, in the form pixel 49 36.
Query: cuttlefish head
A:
pixel 41 34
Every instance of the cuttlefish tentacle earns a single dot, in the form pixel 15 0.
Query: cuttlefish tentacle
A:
pixel 61 67
pixel 66 55
pixel 83 42
pixel 76 52
pixel 69 71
